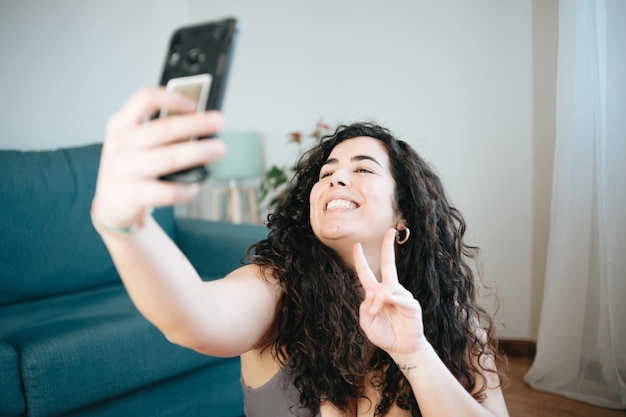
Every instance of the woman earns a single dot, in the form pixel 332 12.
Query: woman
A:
pixel 359 302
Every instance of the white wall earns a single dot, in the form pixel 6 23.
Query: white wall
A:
pixel 454 78
pixel 68 64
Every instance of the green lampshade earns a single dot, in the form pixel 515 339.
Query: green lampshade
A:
pixel 244 157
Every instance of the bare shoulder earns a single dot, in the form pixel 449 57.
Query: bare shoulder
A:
pixel 252 270
pixel 249 290
pixel 257 278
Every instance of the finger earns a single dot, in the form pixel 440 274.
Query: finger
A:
pixel 167 159
pixel 363 271
pixel 149 163
pixel 164 193
pixel 376 304
pixel 134 198
pixel 171 129
pixel 367 302
pixel 144 104
pixel 404 301
pixel 400 298
pixel 388 258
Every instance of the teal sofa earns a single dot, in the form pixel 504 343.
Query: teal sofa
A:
pixel 71 342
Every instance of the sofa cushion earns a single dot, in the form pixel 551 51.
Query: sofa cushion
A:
pixel 11 395
pixel 83 348
pixel 48 245
pixel 214 390
pixel 216 248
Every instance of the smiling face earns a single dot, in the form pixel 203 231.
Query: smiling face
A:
pixel 353 201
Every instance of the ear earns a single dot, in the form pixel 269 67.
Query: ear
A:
pixel 403 232
pixel 400 224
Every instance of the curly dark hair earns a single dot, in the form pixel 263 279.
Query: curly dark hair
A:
pixel 317 331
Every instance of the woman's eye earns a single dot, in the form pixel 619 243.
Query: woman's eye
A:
pixel 363 170
pixel 325 174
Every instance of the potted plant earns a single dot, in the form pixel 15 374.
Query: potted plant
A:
pixel 276 177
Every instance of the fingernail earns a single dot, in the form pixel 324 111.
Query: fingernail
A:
pixel 213 148
pixel 214 117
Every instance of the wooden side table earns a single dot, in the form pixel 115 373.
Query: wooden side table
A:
pixel 234 207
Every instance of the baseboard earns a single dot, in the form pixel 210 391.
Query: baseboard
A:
pixel 518 348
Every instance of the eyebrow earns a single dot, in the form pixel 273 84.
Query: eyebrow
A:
pixel 353 159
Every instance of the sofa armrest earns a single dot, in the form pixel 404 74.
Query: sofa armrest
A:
pixel 216 248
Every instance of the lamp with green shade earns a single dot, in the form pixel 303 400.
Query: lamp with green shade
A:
pixel 244 159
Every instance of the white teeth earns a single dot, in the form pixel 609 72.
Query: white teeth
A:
pixel 340 204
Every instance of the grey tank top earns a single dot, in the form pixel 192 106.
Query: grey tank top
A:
pixel 278 397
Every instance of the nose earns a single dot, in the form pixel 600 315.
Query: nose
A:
pixel 339 179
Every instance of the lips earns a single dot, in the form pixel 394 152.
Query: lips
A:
pixel 340 203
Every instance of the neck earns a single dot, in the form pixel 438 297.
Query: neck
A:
pixel 372 255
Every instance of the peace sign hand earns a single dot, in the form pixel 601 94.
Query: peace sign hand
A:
pixel 389 315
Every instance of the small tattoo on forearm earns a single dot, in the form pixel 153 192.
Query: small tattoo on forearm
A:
pixel 405 368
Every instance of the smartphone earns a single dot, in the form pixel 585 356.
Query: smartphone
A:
pixel 197 64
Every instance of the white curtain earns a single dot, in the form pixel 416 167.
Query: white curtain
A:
pixel 581 346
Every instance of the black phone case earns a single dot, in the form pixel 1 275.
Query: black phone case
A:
pixel 201 49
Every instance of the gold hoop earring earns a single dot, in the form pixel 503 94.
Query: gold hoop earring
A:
pixel 407 233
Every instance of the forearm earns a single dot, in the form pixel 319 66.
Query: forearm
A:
pixel 160 280
pixel 436 390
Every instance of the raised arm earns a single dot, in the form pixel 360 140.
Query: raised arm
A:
pixel 225 317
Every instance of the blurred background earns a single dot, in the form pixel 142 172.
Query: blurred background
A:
pixel 470 84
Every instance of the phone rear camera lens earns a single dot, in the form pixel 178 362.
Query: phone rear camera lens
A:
pixel 194 58
pixel 174 59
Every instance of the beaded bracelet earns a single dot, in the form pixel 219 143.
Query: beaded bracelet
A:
pixel 126 231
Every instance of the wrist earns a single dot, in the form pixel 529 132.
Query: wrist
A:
pixel 409 362
pixel 120 231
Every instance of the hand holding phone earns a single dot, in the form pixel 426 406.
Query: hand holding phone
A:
pixel 197 65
